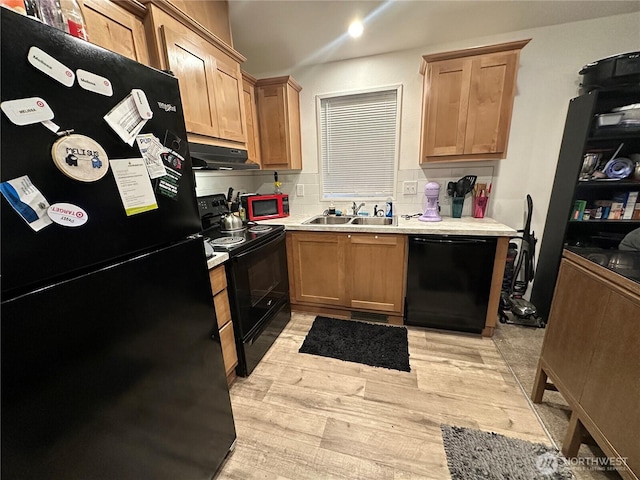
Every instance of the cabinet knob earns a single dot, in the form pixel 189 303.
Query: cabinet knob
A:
pixel 376 236
pixel 348 236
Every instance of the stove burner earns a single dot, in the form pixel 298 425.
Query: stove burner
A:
pixel 260 228
pixel 227 241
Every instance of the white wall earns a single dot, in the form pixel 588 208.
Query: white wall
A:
pixel 547 79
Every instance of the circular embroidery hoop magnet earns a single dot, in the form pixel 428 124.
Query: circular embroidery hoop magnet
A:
pixel 80 158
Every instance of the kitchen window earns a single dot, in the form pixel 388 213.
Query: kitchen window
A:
pixel 358 147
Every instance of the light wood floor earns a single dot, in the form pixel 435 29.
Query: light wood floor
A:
pixel 300 416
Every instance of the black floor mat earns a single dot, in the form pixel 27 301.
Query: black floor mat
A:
pixel 376 345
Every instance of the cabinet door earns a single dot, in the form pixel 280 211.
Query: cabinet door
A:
pixel 490 102
pixel 272 112
pixel 376 272
pixel 113 28
pixel 318 268
pixel 447 104
pixel 574 322
pixel 229 352
pixel 229 102
pixel 612 388
pixel 251 114
pixel 189 58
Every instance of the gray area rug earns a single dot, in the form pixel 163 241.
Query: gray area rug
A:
pixel 474 454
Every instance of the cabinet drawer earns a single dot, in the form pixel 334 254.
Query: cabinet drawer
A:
pixel 223 311
pixel 228 344
pixel 218 279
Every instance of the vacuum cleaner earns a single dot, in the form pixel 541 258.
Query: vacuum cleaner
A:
pixel 519 272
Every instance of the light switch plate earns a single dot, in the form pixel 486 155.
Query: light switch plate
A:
pixel 300 190
pixel 410 187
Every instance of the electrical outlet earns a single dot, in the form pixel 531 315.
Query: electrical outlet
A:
pixel 300 190
pixel 410 187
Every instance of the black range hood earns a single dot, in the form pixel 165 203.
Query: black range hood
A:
pixel 211 157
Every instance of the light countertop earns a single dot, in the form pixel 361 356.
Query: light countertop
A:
pixel 485 227
pixel 218 259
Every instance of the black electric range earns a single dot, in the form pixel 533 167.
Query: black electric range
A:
pixel 257 278
pixel 212 208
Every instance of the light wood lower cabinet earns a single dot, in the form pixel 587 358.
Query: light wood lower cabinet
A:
pixel 317 268
pixel 348 271
pixel 376 272
pixel 590 353
pixel 218 280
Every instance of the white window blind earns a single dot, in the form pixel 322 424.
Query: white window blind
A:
pixel 359 144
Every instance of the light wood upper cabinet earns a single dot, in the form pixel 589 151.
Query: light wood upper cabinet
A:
pixel 348 271
pixel 115 28
pixel 189 58
pixel 467 102
pixel 251 111
pixel 279 123
pixel 208 72
pixel 229 99
pixel 212 15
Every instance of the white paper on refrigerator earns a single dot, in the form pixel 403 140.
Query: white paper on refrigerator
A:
pixel 151 150
pixel 129 116
pixel 134 185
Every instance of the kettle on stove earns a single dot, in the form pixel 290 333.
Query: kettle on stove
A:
pixel 230 222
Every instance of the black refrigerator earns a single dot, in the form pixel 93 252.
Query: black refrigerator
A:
pixel 111 361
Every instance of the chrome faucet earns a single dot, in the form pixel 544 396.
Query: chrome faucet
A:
pixel 356 208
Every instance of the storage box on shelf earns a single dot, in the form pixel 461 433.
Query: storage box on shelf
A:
pixel 582 136
pixel 467 101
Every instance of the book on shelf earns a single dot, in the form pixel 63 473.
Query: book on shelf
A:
pixel 629 207
pixel 578 210
pixel 603 207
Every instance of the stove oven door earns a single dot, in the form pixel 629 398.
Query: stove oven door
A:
pixel 260 289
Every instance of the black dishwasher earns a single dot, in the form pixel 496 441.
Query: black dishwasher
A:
pixel 448 281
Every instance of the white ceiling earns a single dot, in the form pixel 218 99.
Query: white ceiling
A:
pixel 279 35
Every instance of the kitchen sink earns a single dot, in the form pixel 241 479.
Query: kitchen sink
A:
pixel 350 220
pixel 373 221
pixel 326 220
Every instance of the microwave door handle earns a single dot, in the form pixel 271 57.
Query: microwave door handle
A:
pixel 258 247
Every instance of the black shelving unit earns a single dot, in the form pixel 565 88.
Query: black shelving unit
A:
pixel 581 136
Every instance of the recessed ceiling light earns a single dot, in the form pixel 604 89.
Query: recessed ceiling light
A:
pixel 356 28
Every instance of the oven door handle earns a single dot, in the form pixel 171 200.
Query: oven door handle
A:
pixel 258 247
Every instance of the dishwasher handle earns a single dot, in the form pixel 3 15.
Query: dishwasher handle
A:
pixel 453 241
